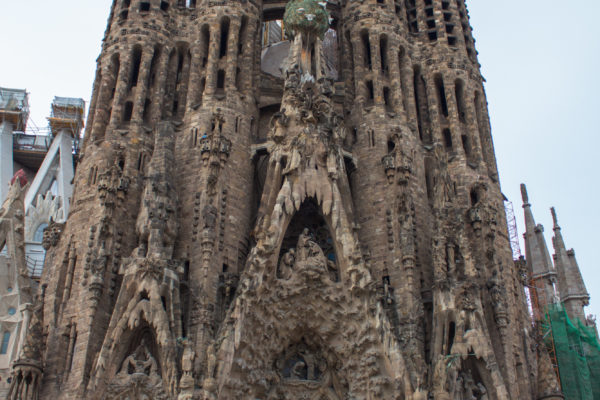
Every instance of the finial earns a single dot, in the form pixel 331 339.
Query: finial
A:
pixel 306 16
pixel 554 218
pixel 524 194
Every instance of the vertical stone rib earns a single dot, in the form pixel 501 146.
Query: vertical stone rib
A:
pixel 434 113
pixel 472 130
pixel 232 54
pixel 102 116
pixel 195 76
pixel 142 88
pixel 455 128
pixel 212 65
pixel 376 67
pixel 121 90
pixel 396 84
pixel 359 69
pixel 158 99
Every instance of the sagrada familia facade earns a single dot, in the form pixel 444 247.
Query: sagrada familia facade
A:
pixel 333 228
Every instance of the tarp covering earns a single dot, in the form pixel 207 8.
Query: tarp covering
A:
pixel 13 100
pixel 578 355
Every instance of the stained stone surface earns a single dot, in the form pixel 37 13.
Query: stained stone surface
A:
pixel 239 235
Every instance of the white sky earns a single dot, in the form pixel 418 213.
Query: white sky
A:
pixel 541 59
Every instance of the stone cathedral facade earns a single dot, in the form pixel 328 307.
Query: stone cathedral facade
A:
pixel 331 229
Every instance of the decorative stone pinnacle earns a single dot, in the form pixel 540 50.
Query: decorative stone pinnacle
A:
pixel 524 194
pixel 554 218
pixel 306 16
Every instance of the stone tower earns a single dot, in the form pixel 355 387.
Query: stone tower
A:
pixel 331 229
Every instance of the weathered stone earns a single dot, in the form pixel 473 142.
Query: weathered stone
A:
pixel 332 232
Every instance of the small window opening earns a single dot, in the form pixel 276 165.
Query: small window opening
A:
pixel 460 100
pixel 411 15
pixel 391 146
pixel 124 15
pixel 447 139
pixel 372 136
pixel 383 54
pixel 432 36
pixel 367 48
pixel 451 335
pixel 127 111
pixel 121 164
pixel 205 44
pixel 146 114
pixel 474 197
pixel 164 302
pixel 164 6
pixel 144 6
pixel 221 79
pixel 466 145
pixel 370 90
pixel 428 180
pixel 5 342
pixel 441 91
pixel 225 268
pixel 386 97
pixel 243 28
pixel 224 37
pixel 135 67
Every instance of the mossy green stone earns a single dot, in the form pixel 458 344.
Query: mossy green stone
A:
pixel 306 16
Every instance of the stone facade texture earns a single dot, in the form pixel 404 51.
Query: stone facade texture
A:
pixel 336 231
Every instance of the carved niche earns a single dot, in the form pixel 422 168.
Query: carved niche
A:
pixel 308 246
pixel 304 373
pixel 139 375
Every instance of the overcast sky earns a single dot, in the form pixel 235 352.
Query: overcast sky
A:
pixel 541 59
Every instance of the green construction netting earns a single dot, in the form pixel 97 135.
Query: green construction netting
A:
pixel 578 355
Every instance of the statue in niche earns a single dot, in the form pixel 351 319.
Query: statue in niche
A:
pixel 466 387
pixel 307 248
pixel 210 217
pixel 303 366
pixel 138 378
pixel 287 264
pixel 140 362
pixel 443 184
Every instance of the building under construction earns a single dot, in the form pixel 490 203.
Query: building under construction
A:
pixel 43 164
pixel 558 295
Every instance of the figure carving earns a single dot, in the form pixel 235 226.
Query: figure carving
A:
pixel 287 264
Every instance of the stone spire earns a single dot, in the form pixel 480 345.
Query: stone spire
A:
pixel 28 369
pixel 572 289
pixel 539 263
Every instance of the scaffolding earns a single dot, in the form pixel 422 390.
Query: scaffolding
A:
pixel 513 233
pixel 67 114
pixel 14 107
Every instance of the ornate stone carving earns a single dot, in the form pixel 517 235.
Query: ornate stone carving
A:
pixel 138 377
pixel 52 234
